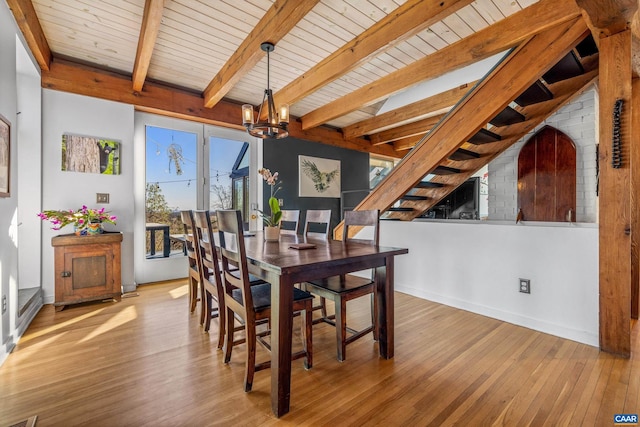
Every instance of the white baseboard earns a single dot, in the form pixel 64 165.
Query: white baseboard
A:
pixel 25 320
pixel 584 337
pixel 128 288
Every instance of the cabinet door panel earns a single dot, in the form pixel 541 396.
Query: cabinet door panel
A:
pixel 90 271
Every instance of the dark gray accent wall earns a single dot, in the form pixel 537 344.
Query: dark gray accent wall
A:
pixel 281 155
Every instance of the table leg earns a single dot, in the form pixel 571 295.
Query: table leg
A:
pixel 385 314
pixel 152 242
pixel 166 243
pixel 281 329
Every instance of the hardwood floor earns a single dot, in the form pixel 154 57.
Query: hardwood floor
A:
pixel 146 362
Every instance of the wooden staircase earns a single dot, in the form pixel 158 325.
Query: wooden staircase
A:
pixel 533 81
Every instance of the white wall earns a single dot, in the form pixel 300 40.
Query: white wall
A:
pixel 65 112
pixel 8 206
pixel 29 128
pixel 476 266
pixel 577 120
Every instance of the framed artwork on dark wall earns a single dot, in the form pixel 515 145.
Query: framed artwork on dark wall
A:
pixel 5 156
pixel 318 177
pixel 90 154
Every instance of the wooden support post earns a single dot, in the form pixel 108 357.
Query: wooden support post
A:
pixel 614 200
pixel 635 199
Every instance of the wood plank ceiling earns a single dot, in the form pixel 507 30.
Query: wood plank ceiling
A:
pixel 336 62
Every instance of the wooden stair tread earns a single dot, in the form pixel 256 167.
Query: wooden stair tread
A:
pixel 484 136
pixel 534 94
pixel 569 66
pixel 413 197
pixel 587 47
pixel 400 209
pixel 508 116
pixel 429 184
pixel 462 154
pixel 445 170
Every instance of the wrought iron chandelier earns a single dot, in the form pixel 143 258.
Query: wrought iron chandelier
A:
pixel 276 124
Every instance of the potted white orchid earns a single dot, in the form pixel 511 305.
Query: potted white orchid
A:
pixel 272 220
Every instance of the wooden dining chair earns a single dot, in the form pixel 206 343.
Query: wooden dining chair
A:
pixel 252 303
pixel 316 223
pixel 289 221
pixel 194 263
pixel 211 288
pixel 347 287
pixel 211 283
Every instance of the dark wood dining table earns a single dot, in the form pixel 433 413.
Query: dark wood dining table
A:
pixel 283 266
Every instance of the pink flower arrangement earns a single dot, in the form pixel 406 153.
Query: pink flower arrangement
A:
pixel 79 218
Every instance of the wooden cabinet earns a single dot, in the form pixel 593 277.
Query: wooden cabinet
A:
pixel 87 268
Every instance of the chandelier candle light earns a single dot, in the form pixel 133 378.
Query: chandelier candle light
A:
pixel 276 124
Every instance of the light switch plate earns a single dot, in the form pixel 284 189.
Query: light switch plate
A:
pixel 102 197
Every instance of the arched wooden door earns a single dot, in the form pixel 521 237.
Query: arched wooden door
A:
pixel 547 177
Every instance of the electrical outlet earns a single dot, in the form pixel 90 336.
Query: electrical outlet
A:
pixel 525 286
pixel 102 197
pixel 4 304
pixel 280 202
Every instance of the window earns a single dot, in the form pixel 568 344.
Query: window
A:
pixel 171 178
pixel 187 165
pixel 378 169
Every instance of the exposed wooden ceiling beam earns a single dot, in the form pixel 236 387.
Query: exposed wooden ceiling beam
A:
pixel 85 80
pixel 151 20
pixel 404 22
pixel 331 137
pixel 412 129
pixel 496 38
pixel 159 99
pixel 609 16
pixel 407 143
pixel 408 113
pixel 274 25
pixel 27 20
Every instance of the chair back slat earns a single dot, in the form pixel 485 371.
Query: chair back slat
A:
pixel 188 225
pixel 367 218
pixel 205 243
pixel 289 221
pixel 319 218
pixel 233 254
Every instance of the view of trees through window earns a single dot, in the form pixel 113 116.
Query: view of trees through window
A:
pixel 172 158
pixel 171 186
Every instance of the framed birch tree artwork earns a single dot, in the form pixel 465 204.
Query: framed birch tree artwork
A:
pixel 90 154
pixel 5 156
pixel 318 177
